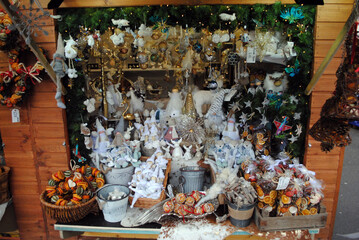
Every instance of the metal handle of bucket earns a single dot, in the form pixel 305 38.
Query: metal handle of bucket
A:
pixel 103 170
pixel 182 182
pixel 100 202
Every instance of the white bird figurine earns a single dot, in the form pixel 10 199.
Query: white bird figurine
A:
pixel 120 22
pixel 227 17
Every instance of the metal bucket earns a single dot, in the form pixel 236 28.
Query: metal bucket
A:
pixel 120 176
pixel 113 210
pixel 192 179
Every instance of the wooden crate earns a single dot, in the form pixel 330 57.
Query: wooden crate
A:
pixel 149 202
pixel 291 223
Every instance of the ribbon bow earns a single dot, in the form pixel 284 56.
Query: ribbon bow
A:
pixel 31 72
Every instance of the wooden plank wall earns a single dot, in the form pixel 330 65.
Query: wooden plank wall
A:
pixel 34 147
pixel 330 20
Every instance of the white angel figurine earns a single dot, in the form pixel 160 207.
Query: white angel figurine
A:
pixel 167 151
pixel 161 161
pixel 90 105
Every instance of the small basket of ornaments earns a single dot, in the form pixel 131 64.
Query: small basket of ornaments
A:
pixel 189 205
pixel 70 195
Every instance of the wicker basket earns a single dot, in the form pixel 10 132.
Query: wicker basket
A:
pixel 66 214
pixel 4 184
pixel 149 202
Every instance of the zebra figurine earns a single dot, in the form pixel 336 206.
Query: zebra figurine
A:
pixel 216 106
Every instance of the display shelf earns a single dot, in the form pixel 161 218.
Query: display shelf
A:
pixel 156 69
pixel 96 226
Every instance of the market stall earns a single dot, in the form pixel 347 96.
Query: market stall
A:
pixel 158 98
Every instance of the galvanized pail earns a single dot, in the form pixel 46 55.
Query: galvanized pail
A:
pixel 192 179
pixel 120 176
pixel 113 210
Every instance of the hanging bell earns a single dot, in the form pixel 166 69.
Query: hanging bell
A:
pixel 212 85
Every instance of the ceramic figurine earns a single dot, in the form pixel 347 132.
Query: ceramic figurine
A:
pixel 198 154
pixel 231 130
pixel 136 103
pixel 127 134
pixel 136 151
pixel 187 155
pixel 177 150
pixel 174 105
pixel 167 151
pixel 171 133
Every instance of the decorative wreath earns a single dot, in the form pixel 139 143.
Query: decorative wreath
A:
pixel 15 82
pixel 8 38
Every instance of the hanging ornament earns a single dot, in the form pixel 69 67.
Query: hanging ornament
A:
pixel 142 57
pixel 211 83
pixel 233 58
pixel 281 126
pixel 162 46
pixel 154 57
pixel 197 47
pixel 297 116
pixel 245 36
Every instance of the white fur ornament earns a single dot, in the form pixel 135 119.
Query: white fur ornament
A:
pixel 70 48
pixel 276 82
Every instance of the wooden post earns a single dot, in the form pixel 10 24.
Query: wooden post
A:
pixel 32 44
pixel 333 49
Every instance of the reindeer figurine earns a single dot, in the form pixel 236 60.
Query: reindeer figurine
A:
pixel 127 134
pixel 198 154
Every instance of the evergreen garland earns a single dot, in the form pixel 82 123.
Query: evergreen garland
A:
pixel 267 17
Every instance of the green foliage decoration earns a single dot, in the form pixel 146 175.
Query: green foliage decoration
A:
pixel 265 17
